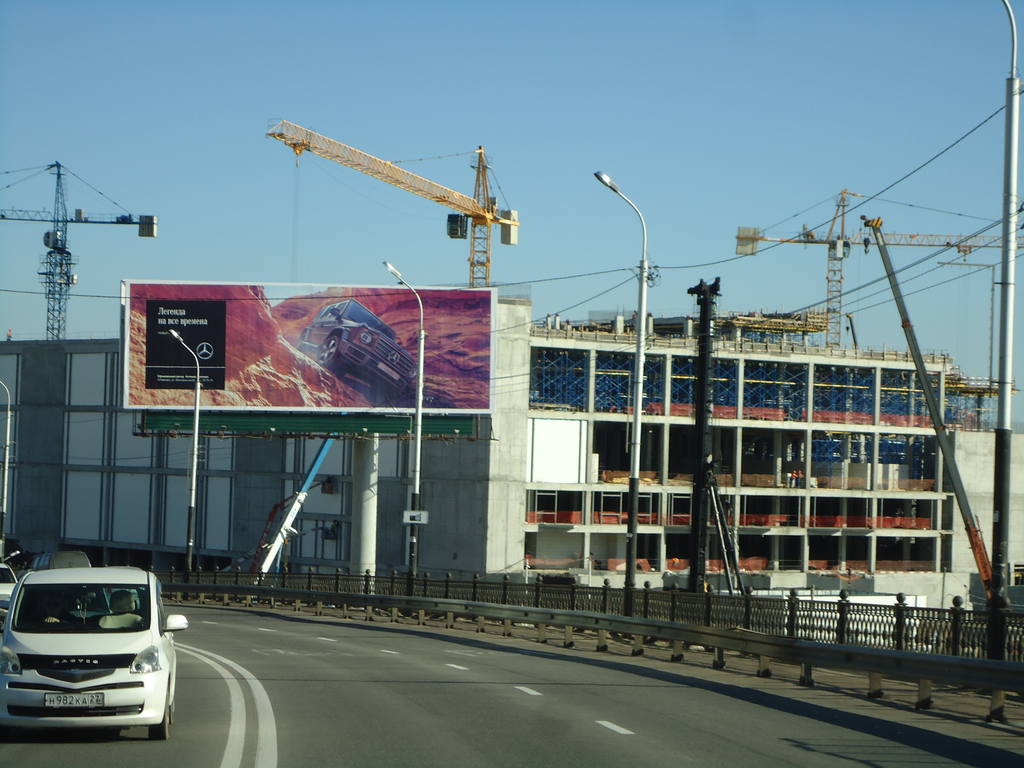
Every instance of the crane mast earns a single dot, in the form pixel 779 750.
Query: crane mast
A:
pixel 481 209
pixel 55 270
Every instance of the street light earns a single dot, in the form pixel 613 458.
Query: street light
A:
pixel 1004 426
pixel 418 421
pixel 3 480
pixel 638 404
pixel 190 533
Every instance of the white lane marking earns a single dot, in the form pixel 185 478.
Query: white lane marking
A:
pixel 385 650
pixel 236 726
pixel 264 629
pixel 266 725
pixel 613 727
pixel 456 666
pixel 210 622
pixel 528 691
pixel 328 639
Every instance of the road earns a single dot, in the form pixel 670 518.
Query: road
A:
pixel 268 689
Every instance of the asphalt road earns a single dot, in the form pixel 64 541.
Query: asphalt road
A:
pixel 269 689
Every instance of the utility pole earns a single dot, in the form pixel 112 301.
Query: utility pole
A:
pixel 704 466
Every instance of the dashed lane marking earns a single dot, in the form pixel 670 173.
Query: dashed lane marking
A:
pixel 385 650
pixel 328 639
pixel 616 728
pixel 457 666
pixel 528 691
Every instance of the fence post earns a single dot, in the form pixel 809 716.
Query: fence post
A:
pixel 672 605
pixel 504 589
pixel 426 581
pixel 476 584
pixel 394 577
pixel 309 581
pixel 605 595
pixel 647 599
pixel 748 606
pixel 366 582
pixel 447 584
pixel 337 580
pixel 237 577
pixel 900 609
pixel 538 585
pixel 408 583
pixel 956 618
pixel 844 612
pixel 707 605
pixel 791 613
pixel 572 599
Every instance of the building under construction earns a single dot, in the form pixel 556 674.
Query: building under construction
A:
pixel 825 459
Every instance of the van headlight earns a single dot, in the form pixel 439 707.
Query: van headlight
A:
pixel 146 661
pixel 10 664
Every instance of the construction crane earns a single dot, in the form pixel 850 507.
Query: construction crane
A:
pixel 839 246
pixel 480 211
pixel 55 268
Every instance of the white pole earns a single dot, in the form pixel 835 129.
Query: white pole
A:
pixel 190 533
pixel 640 326
pixel 3 481
pixel 417 422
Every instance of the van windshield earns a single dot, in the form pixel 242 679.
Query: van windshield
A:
pixel 78 608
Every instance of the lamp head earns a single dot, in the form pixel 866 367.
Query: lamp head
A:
pixel 605 179
pixel 175 334
pixel 392 270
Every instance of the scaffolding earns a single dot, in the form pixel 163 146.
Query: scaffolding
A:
pixel 774 328
pixel 774 391
pixel 611 382
pixel 970 403
pixel 681 389
pixel 844 394
pixel 558 379
pixel 901 400
pixel 725 389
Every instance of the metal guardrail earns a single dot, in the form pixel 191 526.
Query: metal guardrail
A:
pixel 952 631
pixel 922 668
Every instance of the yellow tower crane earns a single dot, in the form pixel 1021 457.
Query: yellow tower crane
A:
pixel 839 246
pixel 480 211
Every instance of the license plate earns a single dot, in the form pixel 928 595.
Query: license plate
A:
pixel 72 699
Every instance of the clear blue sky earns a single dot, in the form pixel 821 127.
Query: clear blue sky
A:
pixel 708 115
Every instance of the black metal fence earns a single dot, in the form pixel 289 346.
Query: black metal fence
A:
pixel 952 631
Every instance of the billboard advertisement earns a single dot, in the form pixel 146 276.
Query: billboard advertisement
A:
pixel 306 347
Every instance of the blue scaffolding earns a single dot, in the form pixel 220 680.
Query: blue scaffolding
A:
pixel 558 379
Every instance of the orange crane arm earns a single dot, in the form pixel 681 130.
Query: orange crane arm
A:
pixel 304 140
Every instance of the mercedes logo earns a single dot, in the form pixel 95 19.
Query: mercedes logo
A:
pixel 204 351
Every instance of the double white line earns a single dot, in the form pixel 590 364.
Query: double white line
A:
pixel 266 725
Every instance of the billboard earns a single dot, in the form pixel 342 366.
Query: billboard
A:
pixel 306 347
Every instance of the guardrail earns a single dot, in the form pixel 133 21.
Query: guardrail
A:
pixel 952 631
pixel 922 668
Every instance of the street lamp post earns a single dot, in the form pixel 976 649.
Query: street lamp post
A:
pixel 1004 426
pixel 418 422
pixel 3 480
pixel 190 532
pixel 640 326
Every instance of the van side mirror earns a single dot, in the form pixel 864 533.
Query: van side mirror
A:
pixel 175 622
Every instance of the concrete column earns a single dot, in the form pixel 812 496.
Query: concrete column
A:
pixel 365 463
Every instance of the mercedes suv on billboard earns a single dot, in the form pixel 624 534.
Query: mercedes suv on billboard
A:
pixel 349 339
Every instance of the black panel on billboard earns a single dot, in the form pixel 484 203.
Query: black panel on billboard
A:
pixel 202 326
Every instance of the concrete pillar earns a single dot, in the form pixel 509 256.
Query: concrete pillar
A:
pixel 365 463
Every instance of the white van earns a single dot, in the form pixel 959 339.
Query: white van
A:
pixel 88 647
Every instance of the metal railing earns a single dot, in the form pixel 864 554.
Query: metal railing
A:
pixel 952 631
pixel 696 622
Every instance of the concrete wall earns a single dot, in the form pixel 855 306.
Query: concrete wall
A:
pixel 975 455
